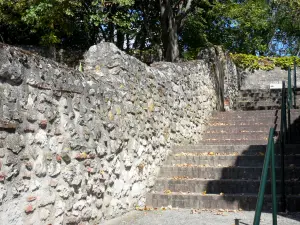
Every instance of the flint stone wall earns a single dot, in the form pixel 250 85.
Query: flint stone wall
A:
pixel 83 147
pixel 226 75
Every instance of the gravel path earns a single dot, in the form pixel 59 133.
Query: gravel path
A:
pixel 185 217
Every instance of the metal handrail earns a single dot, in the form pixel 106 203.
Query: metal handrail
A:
pixel 269 160
pixel 289 102
pixel 295 84
pixel 288 96
pixel 282 139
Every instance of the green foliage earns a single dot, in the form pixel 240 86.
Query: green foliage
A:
pixel 287 20
pixel 55 20
pixel 241 26
pixel 191 54
pixel 253 62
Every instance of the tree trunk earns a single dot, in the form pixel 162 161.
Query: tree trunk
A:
pixel 169 31
pixel 120 39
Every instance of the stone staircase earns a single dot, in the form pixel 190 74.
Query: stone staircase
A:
pixel 261 99
pixel 224 170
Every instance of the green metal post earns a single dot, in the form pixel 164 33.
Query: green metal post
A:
pixel 263 181
pixel 295 84
pixel 273 182
pixel 289 99
pixel 282 146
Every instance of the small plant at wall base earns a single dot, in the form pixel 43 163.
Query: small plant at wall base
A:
pixel 253 62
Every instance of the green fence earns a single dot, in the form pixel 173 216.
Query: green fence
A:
pixel 288 102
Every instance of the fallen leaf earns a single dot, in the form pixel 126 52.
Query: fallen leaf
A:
pixel 167 191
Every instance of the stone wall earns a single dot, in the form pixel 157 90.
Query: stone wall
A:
pixel 83 147
pixel 226 74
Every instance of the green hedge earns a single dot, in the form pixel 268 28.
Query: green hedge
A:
pixel 253 62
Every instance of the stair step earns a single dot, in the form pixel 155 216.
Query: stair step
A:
pixel 236 136
pixel 262 100
pixel 225 160
pixel 252 121
pixel 198 171
pixel 251 114
pixel 250 106
pixel 213 201
pixel 239 129
pixel 233 149
pixel 227 186
pixel 240 118
pixel 234 141
pixel 224 169
pixel 269 123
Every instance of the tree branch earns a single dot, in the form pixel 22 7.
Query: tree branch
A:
pixel 2 39
pixel 182 14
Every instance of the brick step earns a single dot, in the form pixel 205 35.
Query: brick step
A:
pixel 249 113
pixel 255 125
pixel 213 201
pixel 244 118
pixel 242 123
pixel 234 142
pixel 223 160
pixel 277 99
pixel 260 91
pixel 263 103
pixel 239 129
pixel 221 117
pixel 236 136
pixel 250 106
pixel 247 173
pixel 178 184
pixel 202 149
pixel 259 103
pixel 217 117
pixel 229 148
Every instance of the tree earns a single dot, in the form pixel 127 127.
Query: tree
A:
pixel 243 27
pixel 178 27
pixel 287 20
pixel 55 21
pixel 173 15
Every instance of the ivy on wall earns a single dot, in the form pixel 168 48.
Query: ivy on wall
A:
pixel 253 62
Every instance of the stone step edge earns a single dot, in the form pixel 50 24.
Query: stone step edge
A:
pixel 203 146
pixel 199 166
pixel 217 195
pixel 222 167
pixel 238 153
pixel 226 157
pixel 217 180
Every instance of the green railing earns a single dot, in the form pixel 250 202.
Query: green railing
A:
pixel 269 160
pixel 295 84
pixel 289 102
pixel 288 97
